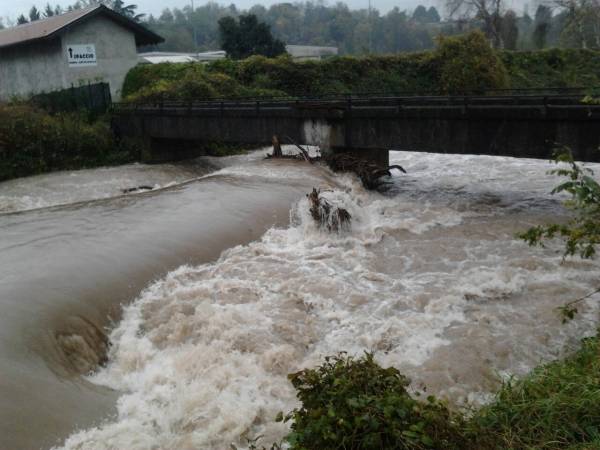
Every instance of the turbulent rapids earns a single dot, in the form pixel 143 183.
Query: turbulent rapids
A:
pixel 228 284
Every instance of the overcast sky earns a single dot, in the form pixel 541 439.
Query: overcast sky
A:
pixel 12 8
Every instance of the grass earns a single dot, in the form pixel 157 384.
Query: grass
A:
pixel 556 407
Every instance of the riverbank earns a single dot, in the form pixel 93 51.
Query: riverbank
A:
pixel 33 141
pixel 355 403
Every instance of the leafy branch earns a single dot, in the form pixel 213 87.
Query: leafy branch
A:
pixel 582 233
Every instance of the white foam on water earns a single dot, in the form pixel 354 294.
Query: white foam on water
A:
pixel 432 279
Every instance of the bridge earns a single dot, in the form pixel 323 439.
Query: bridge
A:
pixel 522 124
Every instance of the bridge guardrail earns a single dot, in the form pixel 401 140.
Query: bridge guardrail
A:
pixel 357 102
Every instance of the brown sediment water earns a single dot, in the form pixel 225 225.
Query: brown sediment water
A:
pixel 65 271
pixel 430 277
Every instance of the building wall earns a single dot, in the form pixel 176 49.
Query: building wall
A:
pixel 31 69
pixel 115 51
pixel 43 66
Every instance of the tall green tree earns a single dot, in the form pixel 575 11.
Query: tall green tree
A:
pixel 510 30
pixel 34 14
pixel 420 14
pixel 248 37
pixel 433 16
pixel 48 11
pixel 541 26
pixel 21 20
pixel 126 10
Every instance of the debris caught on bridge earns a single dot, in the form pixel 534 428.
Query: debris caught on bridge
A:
pixel 326 215
pixel 277 152
pixel 369 173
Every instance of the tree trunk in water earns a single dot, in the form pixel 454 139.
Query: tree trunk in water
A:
pixel 276 147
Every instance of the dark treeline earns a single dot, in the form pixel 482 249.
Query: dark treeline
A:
pixel 364 31
pixel 307 23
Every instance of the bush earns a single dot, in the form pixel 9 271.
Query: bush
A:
pixel 188 82
pixel 468 63
pixel 459 64
pixel 33 141
pixel 356 404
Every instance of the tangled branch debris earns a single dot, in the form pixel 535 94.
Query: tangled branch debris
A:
pixel 327 215
pixel 277 152
pixel 369 173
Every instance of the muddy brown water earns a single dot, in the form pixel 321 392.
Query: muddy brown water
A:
pixel 430 277
pixel 65 271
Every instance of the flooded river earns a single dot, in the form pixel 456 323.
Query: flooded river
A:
pixel 217 283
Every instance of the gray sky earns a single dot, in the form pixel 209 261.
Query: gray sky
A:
pixel 12 8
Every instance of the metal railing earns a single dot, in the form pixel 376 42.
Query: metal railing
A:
pixel 495 97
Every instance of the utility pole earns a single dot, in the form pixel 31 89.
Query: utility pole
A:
pixel 194 26
pixel 370 30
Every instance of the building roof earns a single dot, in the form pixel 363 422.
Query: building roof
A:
pixel 51 26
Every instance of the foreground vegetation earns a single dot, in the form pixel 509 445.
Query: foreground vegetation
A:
pixel 32 141
pixel 458 64
pixel 349 403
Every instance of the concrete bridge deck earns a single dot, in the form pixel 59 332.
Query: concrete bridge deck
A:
pixel 509 125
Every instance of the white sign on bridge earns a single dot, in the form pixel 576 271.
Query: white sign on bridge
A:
pixel 81 55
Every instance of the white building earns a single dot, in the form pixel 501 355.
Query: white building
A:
pixel 177 57
pixel 87 45
pixel 310 52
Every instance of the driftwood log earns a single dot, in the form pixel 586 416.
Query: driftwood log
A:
pixel 137 189
pixel 326 215
pixel 277 153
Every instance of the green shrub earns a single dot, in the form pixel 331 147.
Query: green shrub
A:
pixel 459 64
pixel 33 141
pixel 468 63
pixel 356 404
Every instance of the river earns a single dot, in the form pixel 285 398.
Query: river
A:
pixel 217 283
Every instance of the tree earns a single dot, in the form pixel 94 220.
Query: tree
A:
pixel 420 14
pixel 48 11
pixel 541 26
pixel 582 27
pixel 432 15
pixel 489 12
pixel 468 63
pixel 510 30
pixel 248 37
pixel 126 10
pixel 21 20
pixel 34 14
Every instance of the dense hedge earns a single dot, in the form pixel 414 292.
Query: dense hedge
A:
pixel 33 141
pixel 458 64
